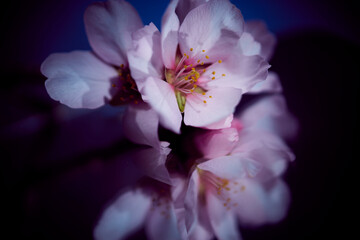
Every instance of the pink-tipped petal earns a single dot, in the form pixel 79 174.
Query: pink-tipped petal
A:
pixel 222 220
pixel 123 217
pixel 78 79
pixel 215 26
pixel 270 85
pixel 140 124
pixel 161 97
pixel 145 54
pixel 239 71
pixel 260 33
pixel 203 110
pixel 109 26
pixel 169 35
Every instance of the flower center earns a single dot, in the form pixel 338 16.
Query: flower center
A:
pixel 190 76
pixel 125 88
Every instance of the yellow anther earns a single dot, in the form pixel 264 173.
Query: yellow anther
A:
pixel 203 93
pixel 243 188
pixel 185 66
pixel 185 54
pixel 223 75
pixel 190 65
pixel 191 81
pixel 213 72
pixel 191 49
pixel 191 90
pixel 207 57
pixel 220 61
pixel 186 78
pixel 192 77
pixel 198 61
pixel 203 50
pixel 122 65
pixel 192 68
pixel 213 78
pixel 202 63
pixel 210 96
pixel 204 101
pixel 113 85
pixel 204 70
pixel 195 86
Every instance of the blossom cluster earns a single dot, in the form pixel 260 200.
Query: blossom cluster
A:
pixel 217 164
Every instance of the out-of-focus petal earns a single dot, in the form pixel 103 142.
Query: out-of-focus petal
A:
pixel 152 161
pixel 201 110
pixel 161 97
pixel 162 223
pixel 223 123
pixel 229 167
pixel 185 6
pixel 270 114
pixel 169 35
pixel 217 143
pixel 145 54
pixel 259 204
pixel 109 26
pixel 78 79
pixel 271 84
pixel 215 26
pixel 141 125
pixel 260 33
pixel 222 220
pixel 124 216
pixel 240 71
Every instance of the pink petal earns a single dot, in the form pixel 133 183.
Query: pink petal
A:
pixel 109 26
pixel 152 161
pixel 78 79
pixel 222 103
pixel 248 45
pixel 162 223
pixel 214 26
pixel 140 124
pixel 217 143
pixel 223 123
pixel 196 218
pixel 260 33
pixel 161 97
pixel 270 114
pixel 259 204
pixel 145 54
pixel 270 85
pixel 229 167
pixel 222 220
pixel 169 35
pixel 185 6
pixel 240 71
pixel 124 216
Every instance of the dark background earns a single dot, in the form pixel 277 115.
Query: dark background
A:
pixel 60 167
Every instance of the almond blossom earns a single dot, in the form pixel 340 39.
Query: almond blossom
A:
pixel 86 79
pixel 195 66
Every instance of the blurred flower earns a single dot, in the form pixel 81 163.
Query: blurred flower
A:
pixel 84 79
pixel 206 70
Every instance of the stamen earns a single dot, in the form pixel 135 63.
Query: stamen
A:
pixel 207 57
pixel 191 49
pixel 220 61
pixel 213 72
pixel 203 50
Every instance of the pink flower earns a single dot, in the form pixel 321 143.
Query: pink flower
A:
pixel 196 65
pixel 149 204
pixel 239 177
pixel 84 79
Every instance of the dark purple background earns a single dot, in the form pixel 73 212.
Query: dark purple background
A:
pixel 60 167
